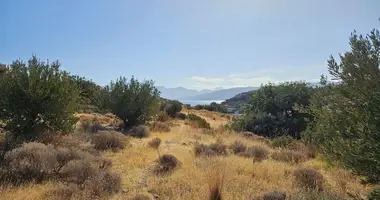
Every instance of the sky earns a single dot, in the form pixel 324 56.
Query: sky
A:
pixel 197 44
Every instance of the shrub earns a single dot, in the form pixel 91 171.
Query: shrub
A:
pixel 238 147
pixel 181 116
pixel 258 153
pixel 172 107
pixel 309 178
pixel 167 163
pixel 374 194
pixel 155 143
pixel 289 156
pixel 109 140
pixel 210 150
pixel 88 125
pixel 282 141
pixel 132 101
pixel 37 97
pixel 159 127
pixel 162 116
pixel 30 162
pixel 103 184
pixel 275 195
pixel 139 131
pixel 314 195
pixel 197 121
pixel 141 197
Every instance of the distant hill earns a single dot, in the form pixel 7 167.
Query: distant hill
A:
pixel 179 92
pixel 220 94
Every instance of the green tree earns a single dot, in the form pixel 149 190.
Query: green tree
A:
pixel 90 94
pixel 171 107
pixel 347 114
pixel 36 98
pixel 271 110
pixel 132 101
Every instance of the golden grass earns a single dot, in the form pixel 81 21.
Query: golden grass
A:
pixel 242 178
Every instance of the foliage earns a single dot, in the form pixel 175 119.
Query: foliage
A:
pixel 212 107
pixel 132 101
pixel 258 153
pixel 309 178
pixel 89 94
pixel 105 140
pixel 374 194
pixel 198 121
pixel 167 163
pixel 289 156
pixel 271 110
pixel 282 141
pixel 139 131
pixel 238 147
pixel 171 107
pixel 35 98
pixel 162 116
pixel 213 149
pixel 346 115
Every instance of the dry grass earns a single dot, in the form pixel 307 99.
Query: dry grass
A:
pixel 192 180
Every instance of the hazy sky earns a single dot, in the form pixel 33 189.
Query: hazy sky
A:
pixel 196 43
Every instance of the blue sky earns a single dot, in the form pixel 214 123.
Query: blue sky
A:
pixel 196 44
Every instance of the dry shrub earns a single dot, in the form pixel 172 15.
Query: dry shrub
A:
pixel 309 151
pixel 238 147
pixel 155 143
pixel 105 140
pixel 216 183
pixel 214 149
pixel 141 197
pixel 162 116
pixel 159 127
pixel 252 136
pixel 63 192
pixel 308 178
pixel 258 153
pixel 275 195
pixel 139 131
pixel 289 156
pixel 167 163
pixel 315 195
pixel 90 125
pixel 103 184
pixel 207 131
pixel 30 162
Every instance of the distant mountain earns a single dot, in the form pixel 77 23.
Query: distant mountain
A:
pixel 220 94
pixel 179 92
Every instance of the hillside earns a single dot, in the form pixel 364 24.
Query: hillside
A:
pixel 237 102
pixel 242 179
pixel 220 94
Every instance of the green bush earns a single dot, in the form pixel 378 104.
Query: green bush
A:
pixel 162 116
pixel 271 110
pixel 181 116
pixel 346 126
pixel 171 107
pixel 35 98
pixel 282 141
pixel 134 102
pixel 198 122
pixel 374 194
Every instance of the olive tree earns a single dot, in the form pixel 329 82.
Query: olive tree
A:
pixel 132 101
pixel 36 97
